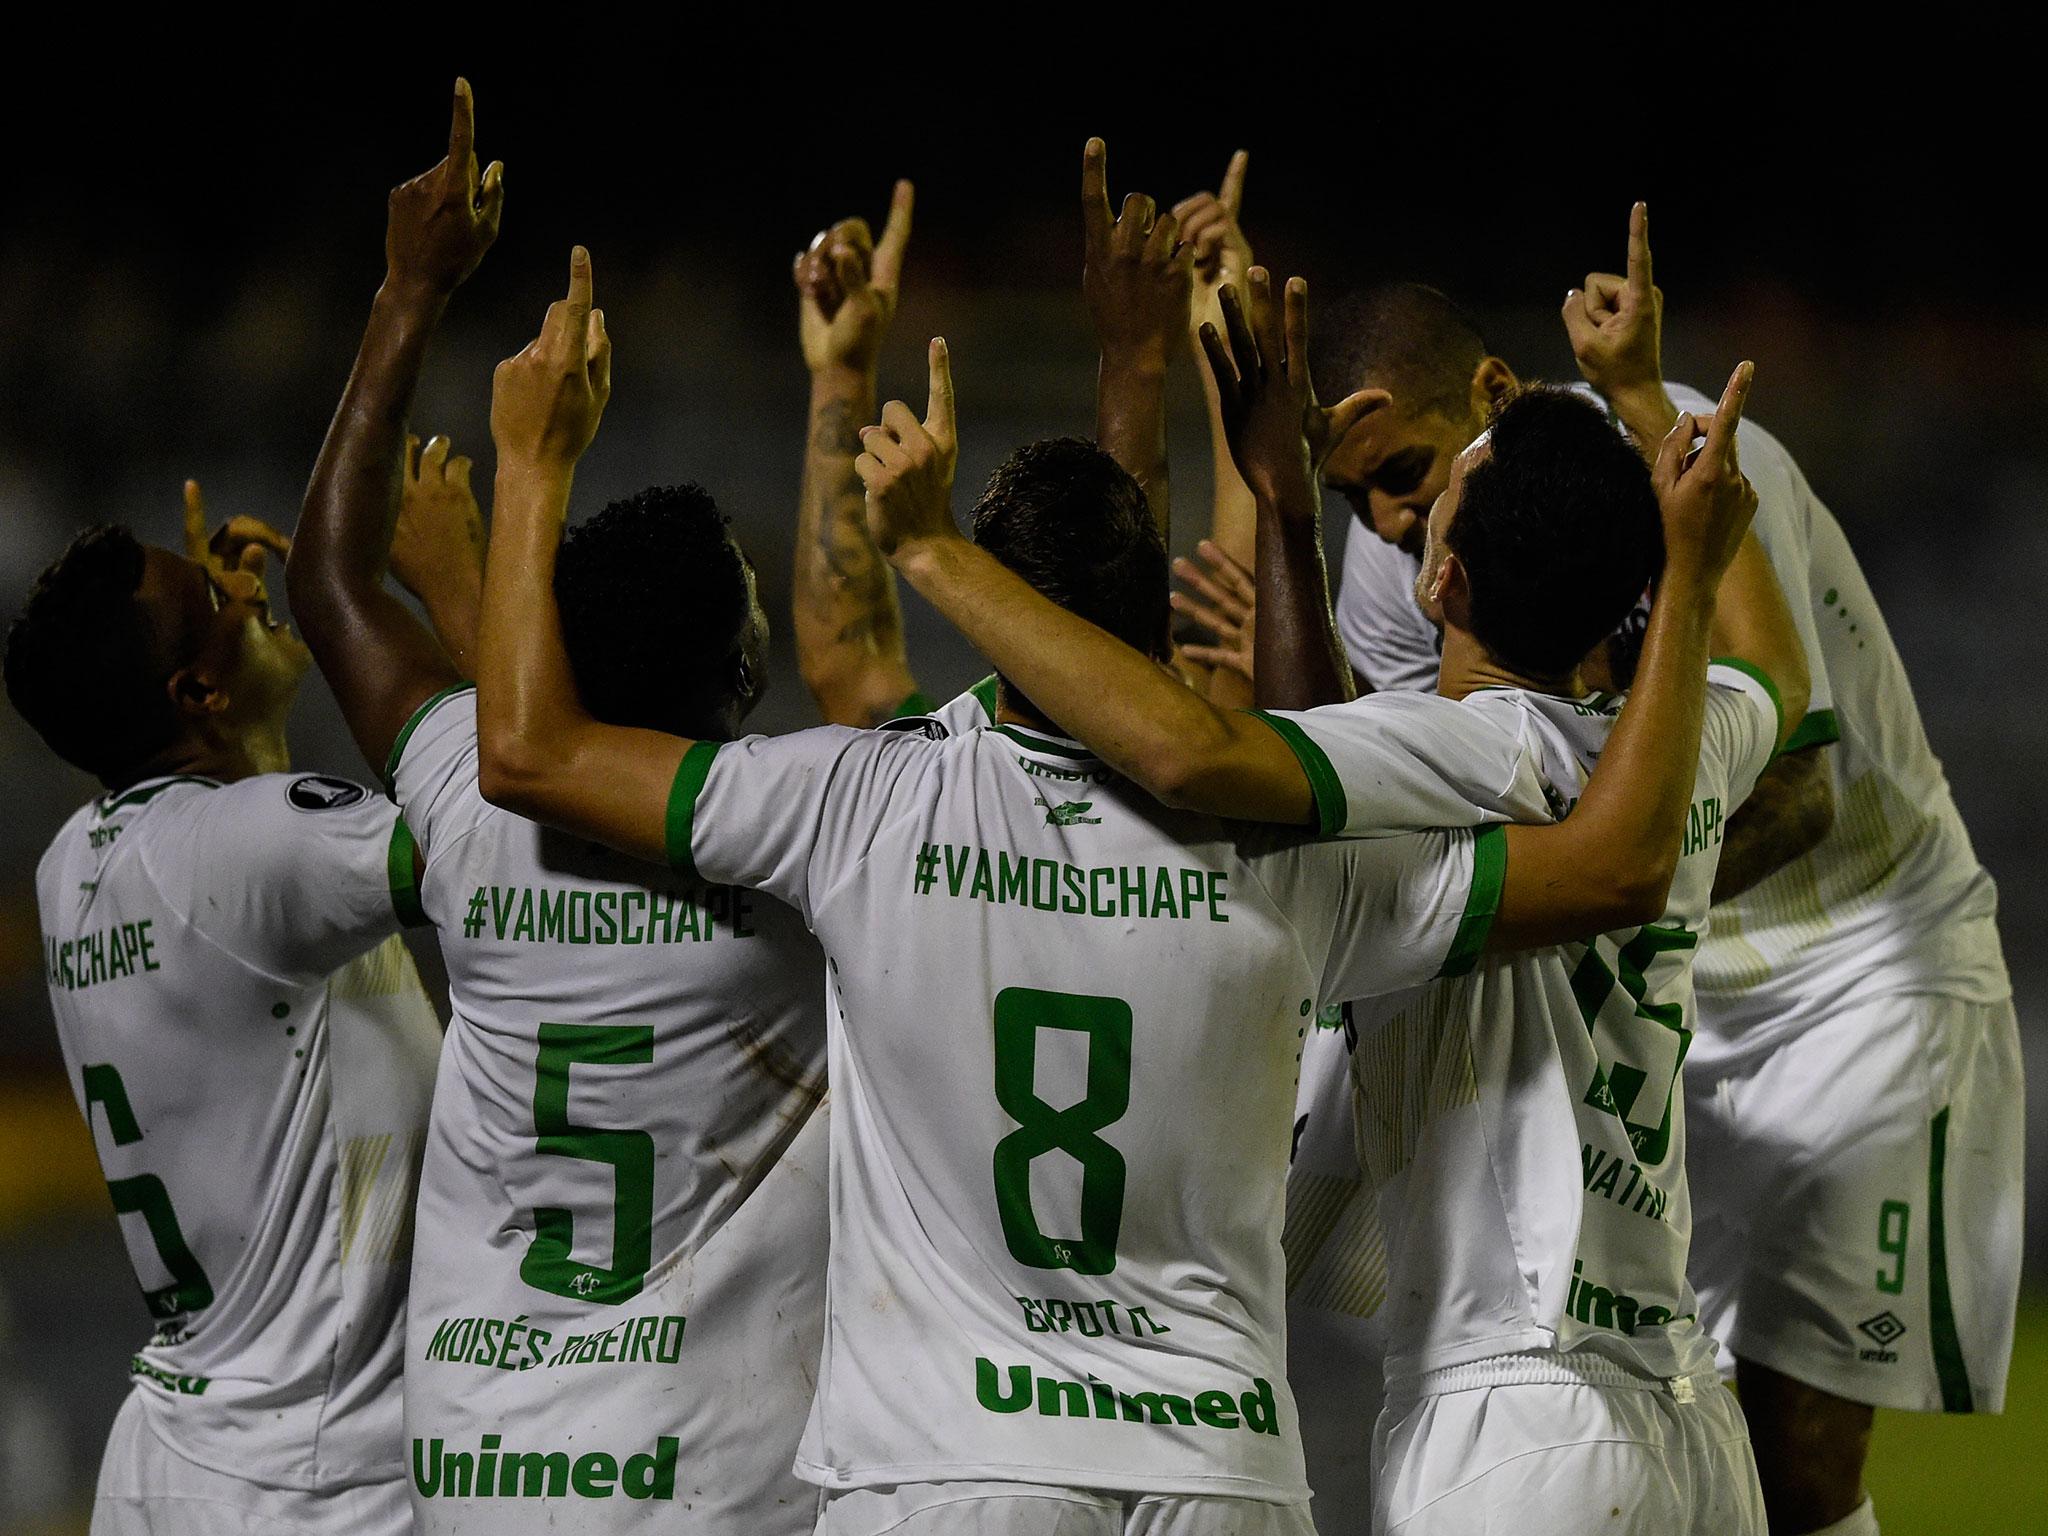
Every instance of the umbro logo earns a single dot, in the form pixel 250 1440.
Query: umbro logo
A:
pixel 1882 1330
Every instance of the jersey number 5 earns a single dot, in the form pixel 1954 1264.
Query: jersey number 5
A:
pixel 548 1265
pixel 144 1194
pixel 1021 1012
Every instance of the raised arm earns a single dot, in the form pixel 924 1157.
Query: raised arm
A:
pixel 1136 277
pixel 848 628
pixel 539 751
pixel 380 660
pixel 1609 864
pixel 1616 326
pixel 1278 433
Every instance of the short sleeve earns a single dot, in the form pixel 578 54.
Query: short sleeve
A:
pixel 293 874
pixel 788 815
pixel 1390 643
pixel 1409 762
pixel 1740 728
pixel 1394 912
pixel 432 770
pixel 1785 509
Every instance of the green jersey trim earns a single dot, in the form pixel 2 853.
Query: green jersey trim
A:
pixel 1757 675
pixel 397 752
pixel 143 794
pixel 1482 903
pixel 691 773
pixel 916 703
pixel 1818 729
pixel 404 868
pixel 985 695
pixel 1324 787
pixel 1949 1365
pixel 1046 744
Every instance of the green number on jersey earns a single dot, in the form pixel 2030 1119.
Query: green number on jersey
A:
pixel 144 1195
pixel 1892 1217
pixel 1617 1085
pixel 1021 1012
pixel 548 1265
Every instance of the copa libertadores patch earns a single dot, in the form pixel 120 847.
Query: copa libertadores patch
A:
pixel 318 792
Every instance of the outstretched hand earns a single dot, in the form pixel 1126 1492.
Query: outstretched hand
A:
pixel 439 224
pixel 1210 224
pixel 439 538
pixel 1706 501
pixel 547 401
pixel 240 544
pixel 1223 599
pixel 1616 321
pixel 1279 433
pixel 847 284
pixel 1137 272
pixel 907 465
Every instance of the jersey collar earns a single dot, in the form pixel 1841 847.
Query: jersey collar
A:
pixel 147 790
pixel 1043 744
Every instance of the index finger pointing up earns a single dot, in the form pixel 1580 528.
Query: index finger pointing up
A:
pixel 1728 414
pixel 462 126
pixel 1639 249
pixel 1095 219
pixel 576 311
pixel 888 264
pixel 1231 193
pixel 938 414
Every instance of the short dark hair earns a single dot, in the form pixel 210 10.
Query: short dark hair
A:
pixel 1407 338
pixel 1071 521
pixel 653 597
pixel 1558 531
pixel 87 663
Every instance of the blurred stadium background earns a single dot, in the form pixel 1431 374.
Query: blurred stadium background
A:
pixel 187 256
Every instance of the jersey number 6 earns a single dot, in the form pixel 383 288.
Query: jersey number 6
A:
pixel 548 1265
pixel 1020 1013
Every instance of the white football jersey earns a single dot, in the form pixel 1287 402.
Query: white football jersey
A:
pixel 1523 1123
pixel 253 1052
pixel 618 1286
pixel 1063 1081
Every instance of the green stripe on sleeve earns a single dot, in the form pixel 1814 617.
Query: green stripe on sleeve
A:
pixel 1332 814
pixel 403 867
pixel 1818 729
pixel 1482 904
pixel 985 694
pixel 1949 1366
pixel 682 805
pixel 1756 675
pixel 916 704
pixel 398 747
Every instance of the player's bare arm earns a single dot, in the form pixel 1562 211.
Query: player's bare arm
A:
pixel 1278 433
pixel 1136 275
pixel 1785 817
pixel 1753 624
pixel 380 660
pixel 437 546
pixel 1621 842
pixel 1211 223
pixel 539 751
pixel 1616 326
pixel 848 628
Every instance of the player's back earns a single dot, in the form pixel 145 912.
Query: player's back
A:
pixel 1063 1089
pixel 253 1052
pixel 618 1288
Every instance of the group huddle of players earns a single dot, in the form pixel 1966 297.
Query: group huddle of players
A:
pixel 1257 1095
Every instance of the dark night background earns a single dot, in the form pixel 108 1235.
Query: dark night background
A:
pixel 188 247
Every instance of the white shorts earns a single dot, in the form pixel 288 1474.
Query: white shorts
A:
pixel 1567 1459
pixel 1029 1509
pixel 1857 1203
pixel 147 1489
pixel 703 1446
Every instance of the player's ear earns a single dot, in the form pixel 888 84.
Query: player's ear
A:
pixel 1492 382
pixel 194 693
pixel 1449 598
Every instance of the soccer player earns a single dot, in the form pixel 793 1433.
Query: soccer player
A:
pixel 244 1030
pixel 618 1286
pixel 1854 945
pixel 1056 1303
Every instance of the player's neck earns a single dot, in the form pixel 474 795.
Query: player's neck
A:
pixel 226 759
pixel 1466 667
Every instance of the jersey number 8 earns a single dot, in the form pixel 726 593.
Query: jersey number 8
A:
pixel 1020 1013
